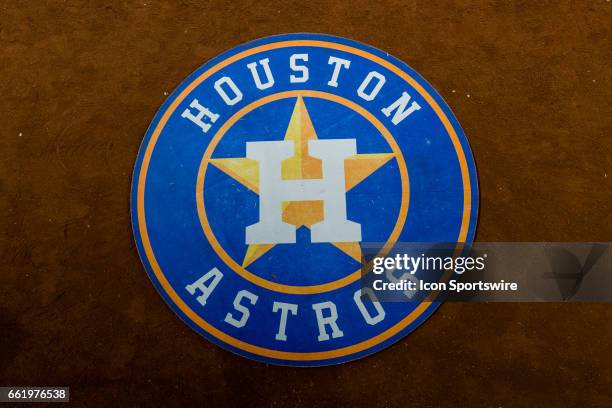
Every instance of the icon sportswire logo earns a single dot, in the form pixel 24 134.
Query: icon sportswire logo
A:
pixel 266 170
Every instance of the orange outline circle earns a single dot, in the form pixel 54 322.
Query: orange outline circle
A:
pixel 239 269
pixel 263 351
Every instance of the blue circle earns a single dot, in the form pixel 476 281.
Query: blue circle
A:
pixel 176 252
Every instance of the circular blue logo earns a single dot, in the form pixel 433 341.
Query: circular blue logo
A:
pixel 263 174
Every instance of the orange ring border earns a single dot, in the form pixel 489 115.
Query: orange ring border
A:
pixel 251 348
pixel 258 280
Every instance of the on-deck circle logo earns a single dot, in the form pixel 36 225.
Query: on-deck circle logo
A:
pixel 263 172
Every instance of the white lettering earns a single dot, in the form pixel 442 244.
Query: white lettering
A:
pixel 338 63
pixel 362 88
pixel 204 289
pixel 327 321
pixel 232 86
pixel 380 312
pixel 245 313
pixel 285 308
pixel 298 68
pixel 266 67
pixel 203 112
pixel 399 106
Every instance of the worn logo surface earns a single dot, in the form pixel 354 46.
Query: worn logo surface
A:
pixel 264 171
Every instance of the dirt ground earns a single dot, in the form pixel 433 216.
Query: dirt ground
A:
pixel 79 83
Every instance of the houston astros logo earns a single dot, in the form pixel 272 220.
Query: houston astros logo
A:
pixel 263 174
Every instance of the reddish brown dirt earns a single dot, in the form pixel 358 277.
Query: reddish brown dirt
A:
pixel 79 83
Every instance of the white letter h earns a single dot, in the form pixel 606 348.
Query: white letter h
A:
pixel 273 191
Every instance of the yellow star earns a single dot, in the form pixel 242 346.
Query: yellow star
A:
pixel 301 166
